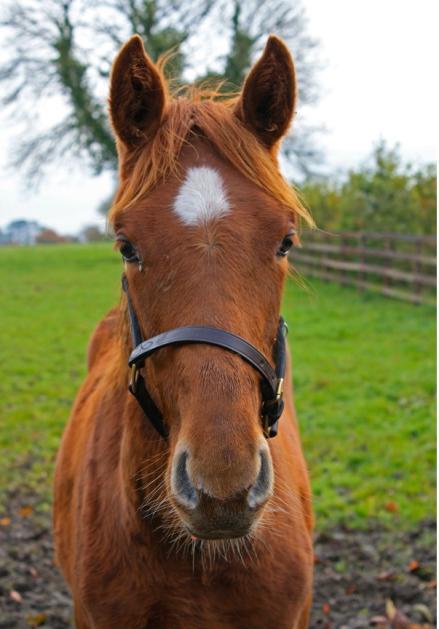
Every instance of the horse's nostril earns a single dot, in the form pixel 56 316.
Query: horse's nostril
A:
pixel 182 486
pixel 263 487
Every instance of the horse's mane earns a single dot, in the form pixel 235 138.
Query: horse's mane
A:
pixel 206 113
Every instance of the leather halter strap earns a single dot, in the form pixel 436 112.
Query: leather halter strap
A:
pixel 272 379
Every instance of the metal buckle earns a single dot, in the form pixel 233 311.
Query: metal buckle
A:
pixel 133 378
pixel 266 428
pixel 280 389
pixel 276 408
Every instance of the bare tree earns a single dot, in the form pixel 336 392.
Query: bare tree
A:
pixel 247 24
pixel 59 53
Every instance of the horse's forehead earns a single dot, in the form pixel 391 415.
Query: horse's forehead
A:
pixel 202 196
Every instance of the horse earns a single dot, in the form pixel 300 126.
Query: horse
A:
pixel 175 505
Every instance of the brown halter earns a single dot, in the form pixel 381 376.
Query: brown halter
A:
pixel 271 382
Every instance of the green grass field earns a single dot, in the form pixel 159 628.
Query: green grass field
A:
pixel 364 371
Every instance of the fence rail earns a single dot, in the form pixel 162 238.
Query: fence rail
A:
pixel 396 265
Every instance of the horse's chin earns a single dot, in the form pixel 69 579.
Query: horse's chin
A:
pixel 218 534
pixel 201 527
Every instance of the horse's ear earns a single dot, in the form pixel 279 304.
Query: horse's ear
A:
pixel 137 94
pixel 268 98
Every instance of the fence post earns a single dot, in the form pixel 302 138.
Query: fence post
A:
pixel 362 261
pixel 388 246
pixel 344 273
pixel 416 268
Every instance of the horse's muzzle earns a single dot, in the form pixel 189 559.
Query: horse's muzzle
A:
pixel 210 517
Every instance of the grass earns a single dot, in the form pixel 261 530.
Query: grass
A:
pixel 364 373
pixel 364 377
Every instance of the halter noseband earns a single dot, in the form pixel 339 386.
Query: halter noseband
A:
pixel 272 379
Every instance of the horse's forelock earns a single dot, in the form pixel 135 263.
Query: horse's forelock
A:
pixel 202 113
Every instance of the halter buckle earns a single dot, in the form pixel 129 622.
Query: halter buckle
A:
pixel 280 388
pixel 273 410
pixel 133 378
pixel 266 428
pixel 269 428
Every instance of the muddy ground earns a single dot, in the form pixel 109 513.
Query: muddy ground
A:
pixel 355 574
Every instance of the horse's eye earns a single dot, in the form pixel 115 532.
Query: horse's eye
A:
pixel 286 245
pixel 129 254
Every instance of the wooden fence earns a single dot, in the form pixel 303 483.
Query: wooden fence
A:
pixel 395 265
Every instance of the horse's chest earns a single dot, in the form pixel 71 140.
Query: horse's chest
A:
pixel 177 598
pixel 207 610
pixel 231 598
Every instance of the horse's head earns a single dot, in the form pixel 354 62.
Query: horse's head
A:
pixel 204 221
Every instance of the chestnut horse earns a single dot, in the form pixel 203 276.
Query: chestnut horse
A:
pixel 208 526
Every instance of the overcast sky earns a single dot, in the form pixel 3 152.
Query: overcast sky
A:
pixel 379 81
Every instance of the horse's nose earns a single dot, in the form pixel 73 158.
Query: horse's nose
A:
pixel 262 489
pixel 181 485
pixel 190 496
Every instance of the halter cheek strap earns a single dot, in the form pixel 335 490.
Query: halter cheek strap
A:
pixel 271 381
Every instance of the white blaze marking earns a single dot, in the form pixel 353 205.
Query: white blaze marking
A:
pixel 201 197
